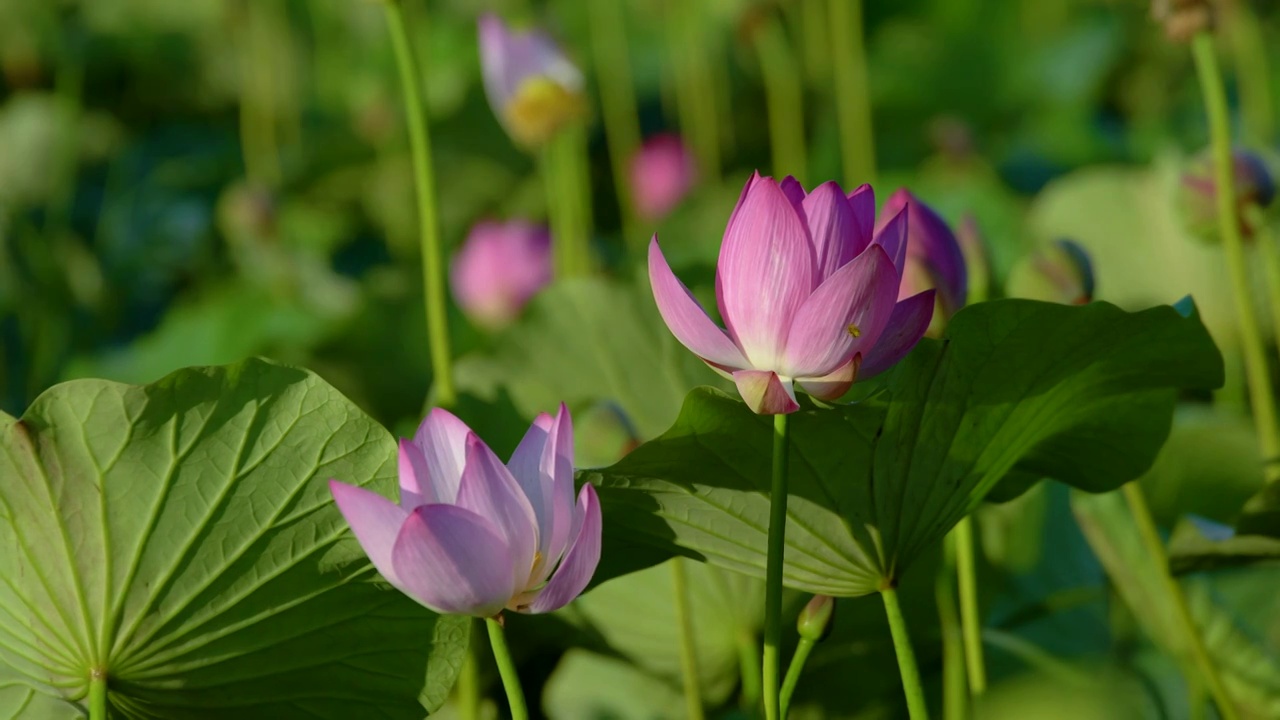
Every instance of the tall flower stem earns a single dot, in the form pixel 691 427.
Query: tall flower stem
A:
pixel 796 667
pixel 258 136
pixel 696 92
pixel 468 687
pixel 567 179
pixel 1155 547
pixel 1266 244
pixel 1248 48
pixel 853 97
pixel 617 97
pixel 1260 391
pixel 970 617
pixel 773 568
pixel 433 282
pixel 955 693
pixel 911 685
pixel 817 40
pixel 98 695
pixel 749 668
pixel 688 651
pixel 784 98
pixel 507 669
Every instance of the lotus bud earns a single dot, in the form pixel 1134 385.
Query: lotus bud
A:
pixel 1255 190
pixel 1061 273
pixel 814 622
pixel 662 173
pixel 532 86
pixel 498 269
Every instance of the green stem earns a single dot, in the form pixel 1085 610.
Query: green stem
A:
pixel 955 693
pixel 468 687
pixel 969 613
pixel 98 695
pixel 564 174
pixel 784 99
pixel 793 673
pixel 507 669
pixel 618 100
pixel 773 569
pixel 817 50
pixel 1261 396
pixel 257 88
pixel 688 650
pixel 1200 654
pixel 433 281
pixel 1253 77
pixel 853 97
pixel 695 90
pixel 916 706
pixel 749 667
pixel 1266 244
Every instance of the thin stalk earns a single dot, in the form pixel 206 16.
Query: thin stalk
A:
pixel 1253 75
pixel 468 687
pixel 433 282
pixel 955 693
pixel 911 685
pixel 784 99
pixel 1271 264
pixel 695 90
pixel 618 100
pixel 688 650
pixel 749 668
pixel 257 88
pixel 969 614
pixel 773 569
pixel 98 695
pixel 853 96
pixel 1261 396
pixel 565 175
pixel 507 669
pixel 1200 654
pixel 796 667
pixel 817 40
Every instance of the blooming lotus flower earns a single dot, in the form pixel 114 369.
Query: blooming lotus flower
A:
pixel 472 536
pixel 934 256
pixel 662 173
pixel 532 87
pixel 807 290
pixel 499 268
pixel 1255 190
pixel 1061 273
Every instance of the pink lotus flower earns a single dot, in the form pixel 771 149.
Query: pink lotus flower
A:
pixel 499 268
pixel 934 256
pixel 662 173
pixel 472 536
pixel 532 87
pixel 807 291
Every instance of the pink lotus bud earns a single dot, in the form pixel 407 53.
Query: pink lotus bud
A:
pixel 1255 190
pixel 499 268
pixel 808 290
pixel 532 87
pixel 472 536
pixel 662 173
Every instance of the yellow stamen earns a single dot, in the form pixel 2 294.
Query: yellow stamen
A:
pixel 854 330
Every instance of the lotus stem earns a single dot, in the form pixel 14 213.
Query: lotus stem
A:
pixel 784 98
pixel 749 667
pixel 618 100
pixel 796 667
pixel 1200 654
pixel 565 174
pixel 970 616
pixel 955 691
pixel 468 687
pixel 433 280
pixel 688 650
pixel 853 96
pixel 911 686
pixel 507 669
pixel 773 569
pixel 696 91
pixel 98 695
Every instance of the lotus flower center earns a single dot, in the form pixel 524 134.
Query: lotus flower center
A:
pixel 539 108
pixel 854 330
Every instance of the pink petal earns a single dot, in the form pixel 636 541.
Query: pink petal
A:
pixel 842 317
pixel 579 564
pixel 794 191
pixel 488 490
pixel 907 324
pixel 892 236
pixel 765 393
pixel 836 236
pixel 863 202
pixel 442 438
pixel 535 478
pixel 414 477
pixel 685 318
pixel 375 520
pixel 454 561
pixel 558 459
pixel 509 58
pixel 765 272
pixel 834 384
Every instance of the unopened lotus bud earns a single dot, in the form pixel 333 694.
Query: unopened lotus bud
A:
pixel 1255 189
pixel 662 173
pixel 533 88
pixel 1061 273
pixel 1182 19
pixel 814 622
pixel 499 268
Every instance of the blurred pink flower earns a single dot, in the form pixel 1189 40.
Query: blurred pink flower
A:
pixel 499 268
pixel 532 86
pixel 807 290
pixel 472 536
pixel 662 173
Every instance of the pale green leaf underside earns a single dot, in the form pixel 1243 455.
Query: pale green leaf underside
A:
pixel 181 536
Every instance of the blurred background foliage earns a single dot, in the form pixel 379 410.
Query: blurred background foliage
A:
pixel 189 183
